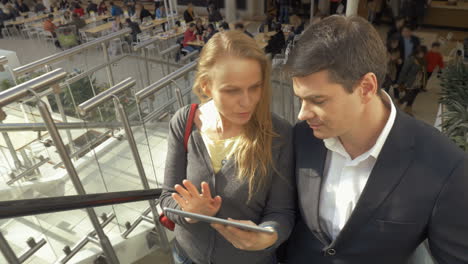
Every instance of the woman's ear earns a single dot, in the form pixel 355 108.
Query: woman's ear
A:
pixel 206 87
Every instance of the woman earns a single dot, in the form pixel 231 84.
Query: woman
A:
pixel 239 155
pixel 199 26
pixel 79 10
pixel 189 14
pixel 102 9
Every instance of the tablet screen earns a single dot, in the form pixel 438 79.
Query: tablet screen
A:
pixel 216 220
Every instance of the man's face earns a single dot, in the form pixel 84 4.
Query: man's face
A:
pixel 329 110
pixel 406 32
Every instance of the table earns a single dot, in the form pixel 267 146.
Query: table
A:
pixel 169 35
pixel 99 29
pixel 58 21
pixel 199 43
pixel 156 22
pixel 29 19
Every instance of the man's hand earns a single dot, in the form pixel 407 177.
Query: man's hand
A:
pixel 190 200
pixel 246 240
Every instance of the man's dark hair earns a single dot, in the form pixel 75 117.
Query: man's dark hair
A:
pixel 435 44
pixel 111 3
pixel 75 15
pixel 192 25
pixel 210 26
pixel 407 26
pixel 177 23
pixel 347 47
pixel 50 16
pixel 224 26
pixel 239 26
pixel 128 20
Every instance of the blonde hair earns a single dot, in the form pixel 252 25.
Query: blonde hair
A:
pixel 253 153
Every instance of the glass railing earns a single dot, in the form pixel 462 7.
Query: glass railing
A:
pixel 111 123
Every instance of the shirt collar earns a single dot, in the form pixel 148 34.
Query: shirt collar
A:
pixel 334 144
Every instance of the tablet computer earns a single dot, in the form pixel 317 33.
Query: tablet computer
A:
pixel 217 220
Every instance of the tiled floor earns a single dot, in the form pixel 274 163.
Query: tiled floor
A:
pixel 113 167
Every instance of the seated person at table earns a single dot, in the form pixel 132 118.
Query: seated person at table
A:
pixel 102 9
pixel 78 10
pixel 39 7
pixel 210 31
pixel 240 27
pixel 276 42
pixel 160 12
pixel 213 14
pixel 189 14
pixel 78 22
pixel 49 26
pixel 224 27
pixel 67 18
pixel 91 7
pixel 63 4
pixel 22 7
pixel 134 27
pixel 141 12
pixel 190 35
pixel 116 24
pixel 199 26
pixel 115 10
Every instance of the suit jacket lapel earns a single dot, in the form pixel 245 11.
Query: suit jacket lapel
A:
pixel 394 159
pixel 310 161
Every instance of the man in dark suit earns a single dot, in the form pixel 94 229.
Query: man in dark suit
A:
pixel 372 182
pixel 408 42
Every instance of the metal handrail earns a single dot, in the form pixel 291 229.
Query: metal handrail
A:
pixel 3 60
pixel 86 106
pixel 15 127
pixel 153 88
pixel 42 82
pixel 145 43
pixel 67 53
pixel 19 208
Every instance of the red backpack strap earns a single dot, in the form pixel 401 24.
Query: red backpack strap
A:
pixel 189 125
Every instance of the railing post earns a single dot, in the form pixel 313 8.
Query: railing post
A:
pixel 58 100
pixel 110 76
pixel 54 134
pixel 8 142
pixel 7 251
pixel 141 171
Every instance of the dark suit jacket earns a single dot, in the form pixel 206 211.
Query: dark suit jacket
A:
pixel 416 43
pixel 417 190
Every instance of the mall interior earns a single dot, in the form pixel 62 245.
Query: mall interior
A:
pixel 86 97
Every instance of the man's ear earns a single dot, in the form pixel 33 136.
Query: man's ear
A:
pixel 368 87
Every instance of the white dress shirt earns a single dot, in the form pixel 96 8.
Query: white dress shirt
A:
pixel 344 178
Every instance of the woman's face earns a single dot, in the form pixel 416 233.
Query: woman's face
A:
pixel 236 87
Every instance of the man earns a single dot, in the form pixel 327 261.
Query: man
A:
pixel 39 7
pixel 51 27
pixel 240 27
pixel 22 7
pixel 92 7
pixel 372 182
pixel 115 10
pixel 78 22
pixel 408 42
pixel 277 42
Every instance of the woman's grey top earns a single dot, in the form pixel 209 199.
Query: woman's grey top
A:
pixel 273 205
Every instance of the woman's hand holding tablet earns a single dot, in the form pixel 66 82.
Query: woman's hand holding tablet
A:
pixel 190 200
